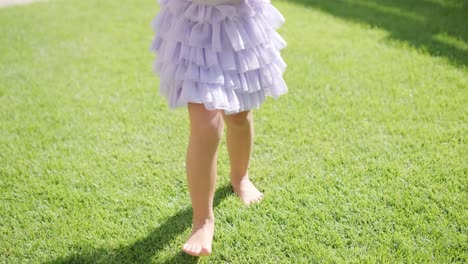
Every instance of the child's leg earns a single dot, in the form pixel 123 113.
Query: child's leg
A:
pixel 239 139
pixel 206 128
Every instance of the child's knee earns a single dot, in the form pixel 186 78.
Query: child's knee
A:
pixel 206 124
pixel 214 129
pixel 239 120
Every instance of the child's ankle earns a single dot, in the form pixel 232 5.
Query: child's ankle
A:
pixel 237 180
pixel 200 221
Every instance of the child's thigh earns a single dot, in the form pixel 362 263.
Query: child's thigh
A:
pixel 200 117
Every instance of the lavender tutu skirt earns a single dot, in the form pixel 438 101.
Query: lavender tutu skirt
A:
pixel 225 56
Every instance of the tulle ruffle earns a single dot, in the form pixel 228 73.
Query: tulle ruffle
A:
pixel 224 56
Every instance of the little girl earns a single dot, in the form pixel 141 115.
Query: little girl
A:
pixel 220 58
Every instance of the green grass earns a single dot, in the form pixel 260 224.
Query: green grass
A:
pixel 365 160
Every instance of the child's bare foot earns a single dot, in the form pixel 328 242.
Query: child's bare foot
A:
pixel 247 191
pixel 199 242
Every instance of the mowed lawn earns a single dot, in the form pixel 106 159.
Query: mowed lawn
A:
pixel 363 161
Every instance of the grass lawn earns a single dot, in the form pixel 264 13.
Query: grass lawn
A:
pixel 364 160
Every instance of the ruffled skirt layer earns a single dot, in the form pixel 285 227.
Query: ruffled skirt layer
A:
pixel 225 56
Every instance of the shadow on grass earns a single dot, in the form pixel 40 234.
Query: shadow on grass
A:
pixel 438 28
pixel 142 251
